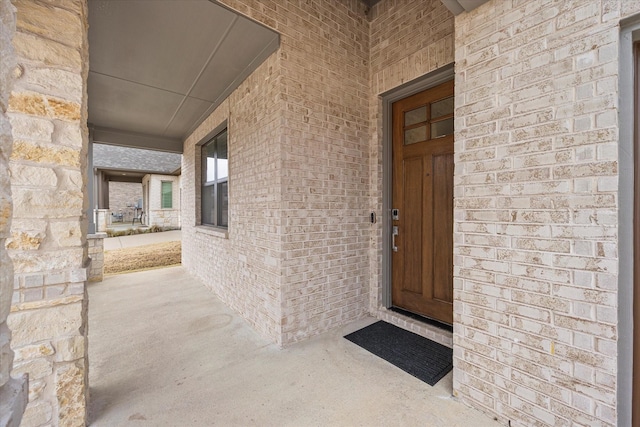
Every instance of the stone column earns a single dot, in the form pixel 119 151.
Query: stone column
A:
pixel 96 253
pixel 102 219
pixel 13 392
pixel 48 245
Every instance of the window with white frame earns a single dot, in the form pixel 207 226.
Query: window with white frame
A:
pixel 215 181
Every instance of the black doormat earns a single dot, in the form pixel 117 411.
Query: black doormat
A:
pixel 426 360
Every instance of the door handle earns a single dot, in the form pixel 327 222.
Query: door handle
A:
pixel 394 233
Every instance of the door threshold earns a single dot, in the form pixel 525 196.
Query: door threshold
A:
pixel 422 319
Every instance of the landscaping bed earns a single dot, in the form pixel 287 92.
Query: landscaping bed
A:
pixel 146 257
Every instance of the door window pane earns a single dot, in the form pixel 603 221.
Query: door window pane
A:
pixel 442 128
pixel 441 108
pixel 415 116
pixel 411 136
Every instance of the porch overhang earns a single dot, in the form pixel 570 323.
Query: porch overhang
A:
pixel 158 69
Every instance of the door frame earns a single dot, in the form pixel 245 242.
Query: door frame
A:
pixel 635 393
pixel 629 33
pixel 420 84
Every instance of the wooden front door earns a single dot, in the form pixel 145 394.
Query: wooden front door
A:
pixel 422 215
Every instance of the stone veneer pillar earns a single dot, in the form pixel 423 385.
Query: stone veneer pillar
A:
pixel 48 113
pixel 13 392
pixel 101 221
pixel 96 253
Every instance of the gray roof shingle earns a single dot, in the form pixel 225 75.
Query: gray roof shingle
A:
pixel 135 159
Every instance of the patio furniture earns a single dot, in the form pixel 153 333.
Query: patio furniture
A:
pixel 138 214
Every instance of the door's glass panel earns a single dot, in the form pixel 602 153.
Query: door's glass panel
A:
pixel 411 136
pixel 442 108
pixel 442 128
pixel 415 116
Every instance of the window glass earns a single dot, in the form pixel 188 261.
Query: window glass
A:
pixel 442 108
pixel 223 161
pixel 167 195
pixel 207 204
pixel 223 202
pixel 414 135
pixel 415 116
pixel 215 175
pixel 210 161
pixel 442 128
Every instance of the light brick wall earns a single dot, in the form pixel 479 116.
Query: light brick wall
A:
pixel 48 113
pixel 241 265
pixel 296 261
pixel 620 9
pixel 155 214
pixel 409 38
pixel 536 211
pixel 122 195
pixel 325 176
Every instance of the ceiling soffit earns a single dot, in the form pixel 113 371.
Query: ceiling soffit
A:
pixel 458 6
pixel 159 68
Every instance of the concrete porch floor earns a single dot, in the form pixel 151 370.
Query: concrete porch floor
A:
pixel 164 351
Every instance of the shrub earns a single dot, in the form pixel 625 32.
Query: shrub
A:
pixel 131 231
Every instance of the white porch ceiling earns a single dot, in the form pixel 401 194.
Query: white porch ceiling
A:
pixel 158 68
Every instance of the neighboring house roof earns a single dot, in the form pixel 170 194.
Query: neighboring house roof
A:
pixel 135 159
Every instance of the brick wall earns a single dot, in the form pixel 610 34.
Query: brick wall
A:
pixel 48 113
pixel 409 38
pixel 241 265
pixel 296 259
pixel 325 175
pixel 536 211
pixel 124 194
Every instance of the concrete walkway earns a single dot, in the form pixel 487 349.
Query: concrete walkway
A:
pixel 164 351
pixel 111 243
